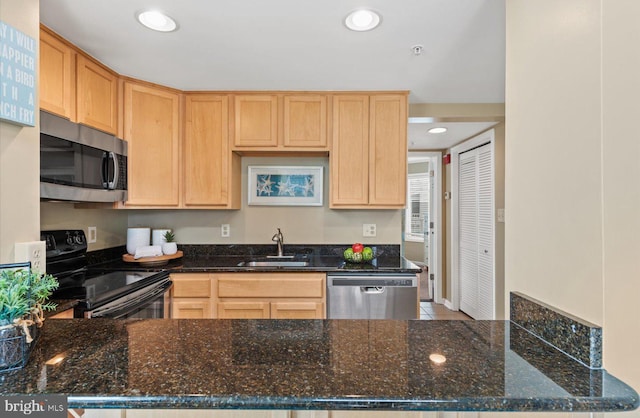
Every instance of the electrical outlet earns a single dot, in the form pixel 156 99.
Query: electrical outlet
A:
pixel 93 235
pixel 501 215
pixel 368 230
pixel 34 251
pixel 225 230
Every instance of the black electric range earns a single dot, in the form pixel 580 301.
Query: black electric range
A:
pixel 121 293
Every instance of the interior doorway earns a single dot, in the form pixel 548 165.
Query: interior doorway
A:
pixel 422 221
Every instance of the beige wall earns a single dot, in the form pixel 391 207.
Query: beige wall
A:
pixel 572 195
pixel 249 225
pixel 111 225
pixel 19 154
pixel 621 190
pixel 257 224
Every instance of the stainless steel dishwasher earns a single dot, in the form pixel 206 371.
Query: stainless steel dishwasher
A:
pixel 372 296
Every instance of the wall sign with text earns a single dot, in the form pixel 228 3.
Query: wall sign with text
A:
pixel 17 76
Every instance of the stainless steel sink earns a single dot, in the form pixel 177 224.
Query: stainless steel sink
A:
pixel 275 263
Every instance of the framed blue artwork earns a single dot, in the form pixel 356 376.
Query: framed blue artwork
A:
pixel 18 76
pixel 285 185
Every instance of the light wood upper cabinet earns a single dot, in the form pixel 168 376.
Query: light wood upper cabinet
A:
pixel 211 170
pixel 256 121
pixel 349 159
pixel 305 121
pixel 388 150
pixel 152 130
pixel 368 161
pixel 280 122
pixel 97 95
pixel 57 76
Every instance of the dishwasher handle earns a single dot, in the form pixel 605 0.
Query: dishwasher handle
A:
pixel 371 281
pixel 372 290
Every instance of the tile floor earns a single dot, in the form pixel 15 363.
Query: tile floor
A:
pixel 433 311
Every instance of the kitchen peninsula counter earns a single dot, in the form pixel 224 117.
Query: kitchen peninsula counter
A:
pixel 310 364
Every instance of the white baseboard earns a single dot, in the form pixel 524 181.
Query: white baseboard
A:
pixel 448 304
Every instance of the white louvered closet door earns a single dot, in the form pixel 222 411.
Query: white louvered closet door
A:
pixel 475 216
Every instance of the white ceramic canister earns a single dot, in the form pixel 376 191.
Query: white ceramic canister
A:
pixel 137 237
pixel 157 236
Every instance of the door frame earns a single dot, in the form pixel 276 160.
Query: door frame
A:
pixel 454 247
pixel 435 211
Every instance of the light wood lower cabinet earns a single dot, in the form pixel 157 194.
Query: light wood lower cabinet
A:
pixel 271 295
pixel 183 308
pixel 244 310
pixel 66 314
pixel 248 295
pixel 297 310
pixel 191 296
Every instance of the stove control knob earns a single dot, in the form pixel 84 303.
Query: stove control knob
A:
pixel 70 239
pixel 79 239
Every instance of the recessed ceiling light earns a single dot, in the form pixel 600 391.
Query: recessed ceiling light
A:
pixel 156 20
pixel 362 20
pixel 437 130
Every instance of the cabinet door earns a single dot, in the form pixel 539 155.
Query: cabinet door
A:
pixel 305 121
pixel 186 308
pixel 211 172
pixel 151 123
pixel 186 285
pixel 268 285
pixel 349 157
pixel 243 310
pixel 57 76
pixel 388 151
pixel 97 96
pixel 297 310
pixel 256 121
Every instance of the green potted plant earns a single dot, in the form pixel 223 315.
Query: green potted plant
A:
pixel 169 246
pixel 23 299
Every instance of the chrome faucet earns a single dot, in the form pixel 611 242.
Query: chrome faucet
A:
pixel 279 240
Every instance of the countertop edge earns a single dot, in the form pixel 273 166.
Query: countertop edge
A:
pixel 490 404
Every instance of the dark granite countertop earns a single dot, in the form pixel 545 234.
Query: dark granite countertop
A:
pixel 310 364
pixel 229 258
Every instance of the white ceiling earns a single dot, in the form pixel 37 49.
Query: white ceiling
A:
pixel 299 45
pixel 420 139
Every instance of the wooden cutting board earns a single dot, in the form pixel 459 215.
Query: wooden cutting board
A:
pixel 152 261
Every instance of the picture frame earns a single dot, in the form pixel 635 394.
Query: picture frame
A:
pixel 285 185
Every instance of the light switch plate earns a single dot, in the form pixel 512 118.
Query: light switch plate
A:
pixel 34 251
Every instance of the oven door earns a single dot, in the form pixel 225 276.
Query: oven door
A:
pixel 149 302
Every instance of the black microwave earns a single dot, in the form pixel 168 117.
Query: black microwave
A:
pixel 79 163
